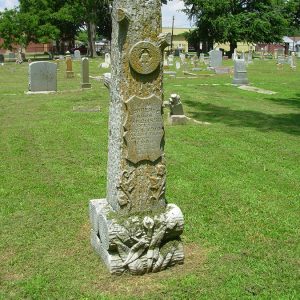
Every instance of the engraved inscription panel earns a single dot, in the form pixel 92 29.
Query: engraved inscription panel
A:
pixel 144 57
pixel 144 128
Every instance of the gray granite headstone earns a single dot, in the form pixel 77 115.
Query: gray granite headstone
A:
pixel 240 72
pixel 42 77
pixel 215 58
pixel 85 74
pixel 77 55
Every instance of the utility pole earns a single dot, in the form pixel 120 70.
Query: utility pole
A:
pixel 172 34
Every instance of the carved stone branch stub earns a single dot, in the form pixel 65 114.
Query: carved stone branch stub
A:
pixel 144 57
pixel 144 128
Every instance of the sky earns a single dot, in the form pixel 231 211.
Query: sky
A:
pixel 168 11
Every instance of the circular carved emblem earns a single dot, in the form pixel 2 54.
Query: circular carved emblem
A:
pixel 144 57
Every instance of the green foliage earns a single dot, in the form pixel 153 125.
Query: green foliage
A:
pixel 232 21
pixel 236 180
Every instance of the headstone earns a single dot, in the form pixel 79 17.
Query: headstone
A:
pixel 107 59
pixel 293 61
pixel 262 53
pixel 240 72
pixel 61 57
pixel 243 55
pixel 235 55
pixel 77 55
pixel 177 116
pixel 178 65
pixel 250 57
pixel 85 74
pixel 42 77
pixel 215 58
pixel 1 59
pixel 171 60
pixel 276 54
pixel 134 229
pixel 69 63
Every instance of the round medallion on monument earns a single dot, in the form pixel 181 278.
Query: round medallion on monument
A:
pixel 144 57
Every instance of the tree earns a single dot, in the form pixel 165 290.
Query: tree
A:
pixel 235 21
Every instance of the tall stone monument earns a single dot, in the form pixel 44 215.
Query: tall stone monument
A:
pixel 134 229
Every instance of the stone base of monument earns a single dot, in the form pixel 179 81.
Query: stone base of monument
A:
pixel 178 120
pixel 140 243
pixel 86 85
pixel 70 74
pixel 241 79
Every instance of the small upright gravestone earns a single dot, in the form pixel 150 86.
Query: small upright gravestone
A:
pixel 240 72
pixel 69 63
pixel 134 229
pixel 177 116
pixel 215 58
pixel 42 77
pixel 85 74
pixel 107 59
pixel 178 65
pixel 77 55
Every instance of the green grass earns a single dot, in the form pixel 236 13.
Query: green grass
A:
pixel 236 180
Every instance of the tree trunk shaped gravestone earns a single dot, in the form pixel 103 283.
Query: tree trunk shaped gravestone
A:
pixel 134 229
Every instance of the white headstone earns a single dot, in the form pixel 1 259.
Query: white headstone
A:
pixel 42 77
pixel 107 59
pixel 178 65
pixel 77 55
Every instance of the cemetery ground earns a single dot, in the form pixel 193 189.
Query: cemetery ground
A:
pixel 236 180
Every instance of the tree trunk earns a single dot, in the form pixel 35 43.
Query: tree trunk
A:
pixel 92 38
pixel 233 45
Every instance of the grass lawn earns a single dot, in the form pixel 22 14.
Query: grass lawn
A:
pixel 237 181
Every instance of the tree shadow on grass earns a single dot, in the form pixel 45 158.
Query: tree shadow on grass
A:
pixel 206 112
pixel 293 102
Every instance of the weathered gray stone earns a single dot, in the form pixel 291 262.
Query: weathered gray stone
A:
pixel 240 72
pixel 215 58
pixel 77 55
pixel 42 77
pixel 85 74
pixel 107 59
pixel 137 230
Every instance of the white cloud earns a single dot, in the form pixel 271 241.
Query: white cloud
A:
pixel 8 4
pixel 173 9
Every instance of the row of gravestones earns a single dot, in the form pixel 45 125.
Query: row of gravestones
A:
pixel 43 75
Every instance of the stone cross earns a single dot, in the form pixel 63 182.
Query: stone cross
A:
pixel 85 73
pixel 134 228
pixel 69 63
pixel 42 77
